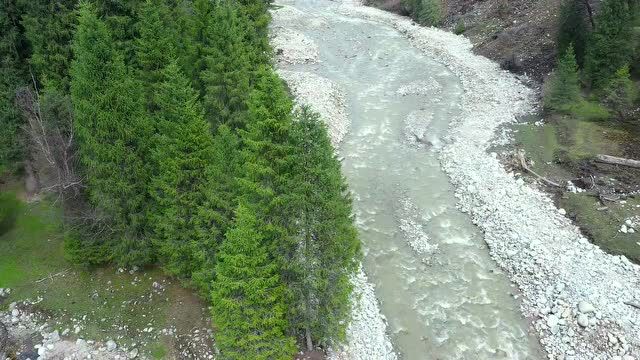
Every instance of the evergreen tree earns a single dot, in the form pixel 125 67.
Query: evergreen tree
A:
pixel 564 89
pixel 620 94
pixel 121 17
pixel 328 248
pixel 13 74
pixel 155 46
pixel 268 157
pixel 113 139
pixel 256 17
pixel 181 163
pixel 573 29
pixel 608 48
pixel 198 26
pixel 227 74
pixel 49 27
pixel 221 195
pixel 248 296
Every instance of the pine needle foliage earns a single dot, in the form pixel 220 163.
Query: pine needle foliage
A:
pixel 183 148
pixel 564 87
pixel 248 299
pixel 328 249
pixel 112 135
pixel 574 30
pixel 609 44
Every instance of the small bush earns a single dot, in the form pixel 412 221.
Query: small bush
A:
pixel 460 27
pixel 9 206
pixel 590 111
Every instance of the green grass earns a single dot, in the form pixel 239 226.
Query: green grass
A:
pixel 602 225
pixel 158 351
pixel 557 149
pixel 114 305
pixel 566 139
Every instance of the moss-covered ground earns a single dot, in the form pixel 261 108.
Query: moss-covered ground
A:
pixel 561 149
pixel 103 303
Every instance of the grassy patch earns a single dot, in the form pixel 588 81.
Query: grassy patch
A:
pixel 104 303
pixel 566 139
pixel 602 225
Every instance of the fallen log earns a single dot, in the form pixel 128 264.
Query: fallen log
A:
pixel 613 160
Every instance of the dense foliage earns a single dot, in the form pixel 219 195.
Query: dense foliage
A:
pixel 604 49
pixel 190 157
pixel 564 86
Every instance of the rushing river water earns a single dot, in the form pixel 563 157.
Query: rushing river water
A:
pixel 448 299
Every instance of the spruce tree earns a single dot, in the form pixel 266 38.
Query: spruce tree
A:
pixel 248 295
pixel 198 26
pixel 121 17
pixel 49 27
pixel 564 89
pixel 609 44
pixel 113 136
pixel 13 74
pixel 227 73
pixel 215 215
pixel 328 248
pixel 621 94
pixel 268 157
pixel 573 30
pixel 182 153
pixel 155 46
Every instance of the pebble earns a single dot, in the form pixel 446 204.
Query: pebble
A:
pixel 583 320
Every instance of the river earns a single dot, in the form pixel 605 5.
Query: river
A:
pixel 442 294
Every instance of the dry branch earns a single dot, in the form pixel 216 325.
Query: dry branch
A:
pixel 523 163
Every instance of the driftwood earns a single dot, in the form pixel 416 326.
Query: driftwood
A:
pixel 613 160
pixel 523 164
pixel 51 276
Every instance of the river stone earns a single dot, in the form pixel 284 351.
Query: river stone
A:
pixel 552 321
pixel 111 345
pixel 583 320
pixel 585 307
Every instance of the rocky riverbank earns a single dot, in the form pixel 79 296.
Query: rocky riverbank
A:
pixel 576 295
pixel 367 336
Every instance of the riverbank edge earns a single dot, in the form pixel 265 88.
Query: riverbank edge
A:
pixel 542 252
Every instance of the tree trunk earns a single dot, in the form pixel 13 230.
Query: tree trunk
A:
pixel 607 159
pixel 307 335
pixel 590 13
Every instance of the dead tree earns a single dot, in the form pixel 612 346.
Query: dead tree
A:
pixel 52 142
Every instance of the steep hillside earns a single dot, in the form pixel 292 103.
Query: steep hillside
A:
pixel 520 34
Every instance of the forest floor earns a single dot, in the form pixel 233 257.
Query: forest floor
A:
pixel 143 312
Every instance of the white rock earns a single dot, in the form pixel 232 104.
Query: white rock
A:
pixel 585 307
pixel 111 345
pixel 552 320
pixel 583 320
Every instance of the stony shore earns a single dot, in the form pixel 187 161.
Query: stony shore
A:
pixel 576 296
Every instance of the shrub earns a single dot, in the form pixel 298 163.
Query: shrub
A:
pixel 620 94
pixel 590 111
pixel 9 206
pixel 460 27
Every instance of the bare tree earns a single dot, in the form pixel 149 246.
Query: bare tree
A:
pixel 51 140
